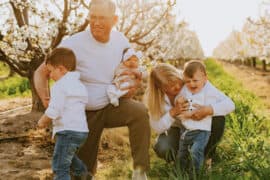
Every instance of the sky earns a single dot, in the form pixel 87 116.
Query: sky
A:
pixel 213 20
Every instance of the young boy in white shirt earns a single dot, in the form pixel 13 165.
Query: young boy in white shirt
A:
pixel 200 93
pixel 66 111
pixel 122 79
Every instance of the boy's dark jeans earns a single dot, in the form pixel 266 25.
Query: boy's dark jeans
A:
pixel 167 145
pixel 64 155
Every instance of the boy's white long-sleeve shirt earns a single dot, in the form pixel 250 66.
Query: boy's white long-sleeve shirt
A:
pixel 209 95
pixel 67 104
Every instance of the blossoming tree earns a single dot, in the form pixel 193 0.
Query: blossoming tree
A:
pixel 31 28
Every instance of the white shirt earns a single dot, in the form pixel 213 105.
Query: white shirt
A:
pixel 67 104
pixel 166 121
pixel 221 107
pixel 209 95
pixel 96 63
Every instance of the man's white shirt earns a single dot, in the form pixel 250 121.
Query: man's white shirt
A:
pixel 96 63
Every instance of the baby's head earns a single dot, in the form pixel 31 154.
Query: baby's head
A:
pixel 131 58
pixel 195 75
pixel 60 61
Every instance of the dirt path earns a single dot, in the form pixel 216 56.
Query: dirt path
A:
pixel 253 80
pixel 25 153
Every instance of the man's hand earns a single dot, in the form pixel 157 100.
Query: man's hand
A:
pixel 136 73
pixel 201 112
pixel 134 87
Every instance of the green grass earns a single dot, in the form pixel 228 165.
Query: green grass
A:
pixel 4 69
pixel 245 147
pixel 14 86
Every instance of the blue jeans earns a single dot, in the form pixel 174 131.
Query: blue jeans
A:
pixel 167 144
pixel 192 144
pixel 64 155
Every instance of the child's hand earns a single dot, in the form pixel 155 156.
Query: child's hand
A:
pixel 185 115
pixel 181 102
pixel 41 124
pixel 201 112
pixel 44 121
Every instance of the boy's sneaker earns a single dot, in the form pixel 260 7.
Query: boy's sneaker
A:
pixel 84 177
pixel 138 174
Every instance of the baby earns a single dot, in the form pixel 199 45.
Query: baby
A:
pixel 124 75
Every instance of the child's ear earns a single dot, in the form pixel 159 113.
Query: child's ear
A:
pixel 62 68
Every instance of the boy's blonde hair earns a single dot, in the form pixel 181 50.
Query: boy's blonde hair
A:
pixel 160 75
pixel 192 66
pixel 62 56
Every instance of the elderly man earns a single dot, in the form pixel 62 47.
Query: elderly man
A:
pixel 99 51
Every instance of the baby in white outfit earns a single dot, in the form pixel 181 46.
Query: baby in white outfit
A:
pixel 124 76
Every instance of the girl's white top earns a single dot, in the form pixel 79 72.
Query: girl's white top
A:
pixel 166 121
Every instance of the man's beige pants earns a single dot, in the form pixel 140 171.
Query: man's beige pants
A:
pixel 130 113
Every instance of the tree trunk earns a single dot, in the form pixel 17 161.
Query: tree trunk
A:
pixel 36 101
pixel 264 65
pixel 254 62
pixel 248 61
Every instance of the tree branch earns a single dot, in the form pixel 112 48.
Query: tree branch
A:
pixel 133 22
pixel 12 64
pixel 145 45
pixel 61 27
pixel 82 27
pixel 22 20
pixel 17 14
pixel 151 29
pixel 84 4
